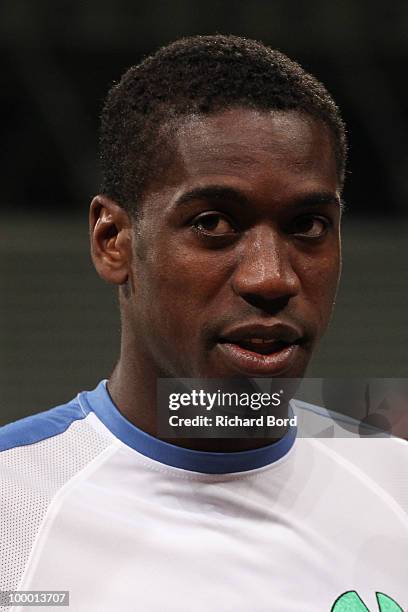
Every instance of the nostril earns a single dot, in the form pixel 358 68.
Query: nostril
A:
pixel 268 306
pixel 262 281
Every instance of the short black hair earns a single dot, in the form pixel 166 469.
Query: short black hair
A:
pixel 200 74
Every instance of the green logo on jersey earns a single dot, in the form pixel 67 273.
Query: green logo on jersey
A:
pixel 351 602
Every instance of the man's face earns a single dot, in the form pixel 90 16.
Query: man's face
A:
pixel 236 256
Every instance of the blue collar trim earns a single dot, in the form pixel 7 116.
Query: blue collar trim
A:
pixel 100 402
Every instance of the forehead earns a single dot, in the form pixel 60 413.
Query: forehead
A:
pixel 270 158
pixel 250 144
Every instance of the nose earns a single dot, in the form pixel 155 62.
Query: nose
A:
pixel 264 275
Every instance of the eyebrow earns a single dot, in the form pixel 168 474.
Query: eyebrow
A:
pixel 212 192
pixel 223 192
pixel 320 197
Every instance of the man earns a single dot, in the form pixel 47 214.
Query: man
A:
pixel 219 221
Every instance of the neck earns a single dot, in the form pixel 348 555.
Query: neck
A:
pixel 132 387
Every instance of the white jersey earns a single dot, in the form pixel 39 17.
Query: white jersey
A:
pixel 92 505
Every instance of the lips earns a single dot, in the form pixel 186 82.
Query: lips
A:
pixel 260 350
pixel 261 346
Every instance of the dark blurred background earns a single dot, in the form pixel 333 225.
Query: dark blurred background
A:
pixel 59 322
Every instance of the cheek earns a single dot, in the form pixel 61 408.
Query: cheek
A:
pixel 192 276
pixel 174 288
pixel 320 279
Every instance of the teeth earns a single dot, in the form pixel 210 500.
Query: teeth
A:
pixel 259 341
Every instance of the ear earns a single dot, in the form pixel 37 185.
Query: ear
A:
pixel 110 231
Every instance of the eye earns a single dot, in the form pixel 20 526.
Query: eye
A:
pixel 213 224
pixel 310 226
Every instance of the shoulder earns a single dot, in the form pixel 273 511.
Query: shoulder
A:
pixel 41 453
pixel 347 435
pixel 40 426
pixel 376 458
pixel 51 443
pixel 318 422
pixel 39 457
